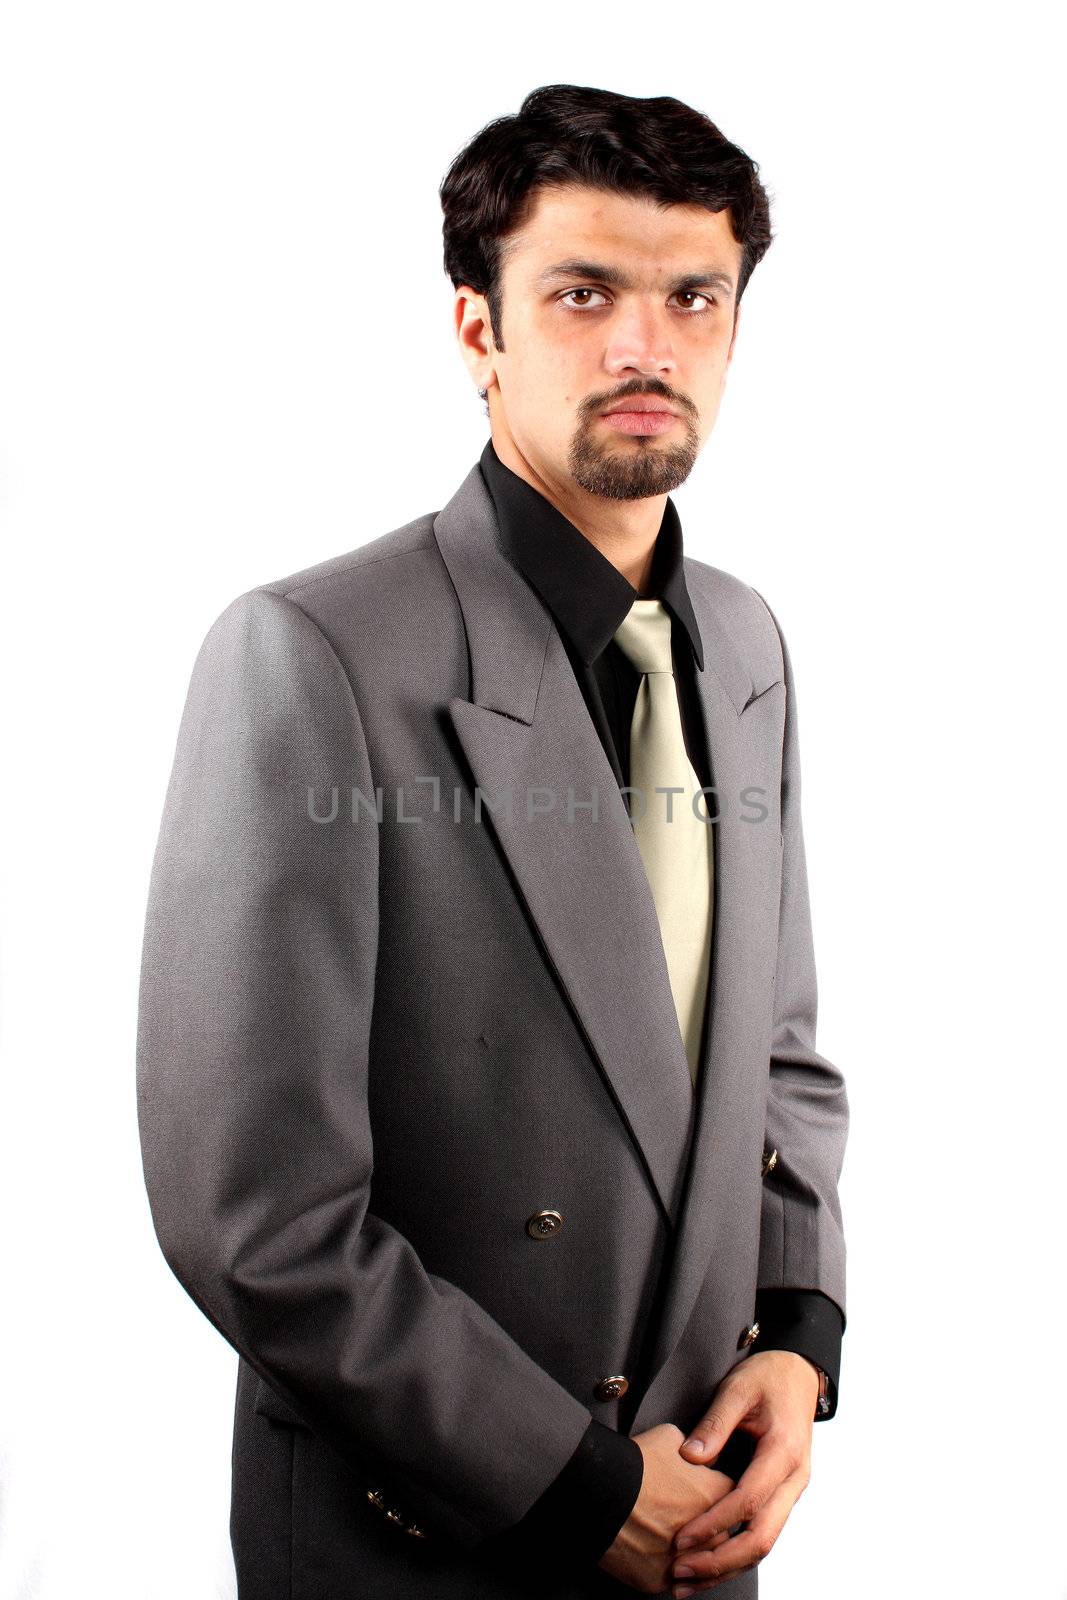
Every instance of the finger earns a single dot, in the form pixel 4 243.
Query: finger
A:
pixel 733 1401
pixel 711 1543
pixel 702 1569
pixel 773 1464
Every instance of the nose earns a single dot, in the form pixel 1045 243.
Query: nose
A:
pixel 640 345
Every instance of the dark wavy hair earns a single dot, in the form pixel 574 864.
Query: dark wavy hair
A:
pixel 564 133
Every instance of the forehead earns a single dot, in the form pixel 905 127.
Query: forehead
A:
pixel 650 239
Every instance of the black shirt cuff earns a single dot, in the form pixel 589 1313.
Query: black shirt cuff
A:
pixel 807 1321
pixel 582 1510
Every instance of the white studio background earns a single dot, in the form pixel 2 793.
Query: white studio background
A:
pixel 226 353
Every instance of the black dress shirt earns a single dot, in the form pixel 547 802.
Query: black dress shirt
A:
pixel 583 1509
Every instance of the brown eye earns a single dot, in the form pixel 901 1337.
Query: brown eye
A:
pixel 580 291
pixel 700 295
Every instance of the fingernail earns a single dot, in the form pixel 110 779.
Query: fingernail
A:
pixel 685 1542
pixel 686 1589
pixel 696 1444
pixel 684 1572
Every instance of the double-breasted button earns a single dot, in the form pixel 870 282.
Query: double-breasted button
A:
pixel 769 1162
pixel 750 1334
pixel 544 1224
pixel 612 1388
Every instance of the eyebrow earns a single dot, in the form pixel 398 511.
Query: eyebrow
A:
pixel 617 279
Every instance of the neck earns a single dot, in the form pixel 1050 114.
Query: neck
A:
pixel 624 531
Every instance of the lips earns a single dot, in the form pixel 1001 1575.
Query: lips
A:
pixel 641 422
pixel 643 404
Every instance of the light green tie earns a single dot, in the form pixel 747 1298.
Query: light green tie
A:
pixel 678 853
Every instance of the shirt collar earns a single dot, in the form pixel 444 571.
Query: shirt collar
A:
pixel 587 595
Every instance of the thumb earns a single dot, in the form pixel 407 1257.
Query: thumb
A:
pixel 730 1404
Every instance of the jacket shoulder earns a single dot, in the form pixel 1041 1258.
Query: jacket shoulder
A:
pixel 347 569
pixel 397 570
pixel 381 611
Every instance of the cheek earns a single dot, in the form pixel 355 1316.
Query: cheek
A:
pixel 552 380
pixel 561 350
pixel 722 369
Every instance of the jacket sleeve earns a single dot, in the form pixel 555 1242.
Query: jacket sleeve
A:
pixel 802 1243
pixel 256 994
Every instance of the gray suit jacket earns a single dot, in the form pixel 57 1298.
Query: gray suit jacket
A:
pixel 373 1049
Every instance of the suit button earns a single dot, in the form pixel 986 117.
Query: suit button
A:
pixel 611 1388
pixel 543 1224
pixel 770 1161
pixel 750 1333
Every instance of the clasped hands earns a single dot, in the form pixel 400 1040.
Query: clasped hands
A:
pixel 678 1534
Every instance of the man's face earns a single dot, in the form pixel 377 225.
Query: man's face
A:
pixel 608 298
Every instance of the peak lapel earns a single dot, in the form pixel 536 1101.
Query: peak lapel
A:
pixel 723 1169
pixel 527 732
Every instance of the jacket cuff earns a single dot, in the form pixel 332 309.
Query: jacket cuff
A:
pixel 581 1511
pixel 807 1321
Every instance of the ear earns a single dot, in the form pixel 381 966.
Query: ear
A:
pixel 471 317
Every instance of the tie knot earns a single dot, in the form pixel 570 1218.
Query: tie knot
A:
pixel 644 636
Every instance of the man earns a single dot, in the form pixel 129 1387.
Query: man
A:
pixel 478 1090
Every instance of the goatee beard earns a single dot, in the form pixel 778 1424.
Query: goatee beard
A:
pixel 631 473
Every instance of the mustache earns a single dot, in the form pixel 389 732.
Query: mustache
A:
pixel 638 390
